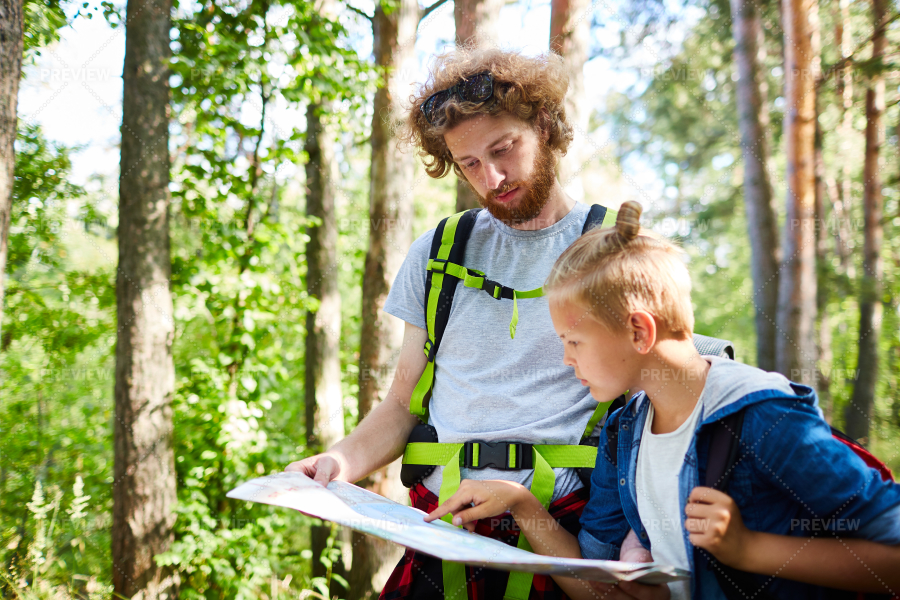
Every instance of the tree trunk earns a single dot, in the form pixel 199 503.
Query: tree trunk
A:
pixel 795 347
pixel 390 235
pixel 11 23
pixel 840 220
pixel 570 38
pixel 324 399
pixel 144 487
pixel 323 395
pixel 823 331
pixel 859 411
pixel 477 24
pixel 762 223
pixel 477 21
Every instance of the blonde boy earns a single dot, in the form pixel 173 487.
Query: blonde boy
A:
pixel 620 301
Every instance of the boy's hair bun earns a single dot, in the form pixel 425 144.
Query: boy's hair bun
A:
pixel 628 221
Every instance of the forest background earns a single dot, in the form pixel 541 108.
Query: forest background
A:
pixel 265 209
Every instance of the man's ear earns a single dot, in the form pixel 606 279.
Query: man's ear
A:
pixel 642 327
pixel 542 124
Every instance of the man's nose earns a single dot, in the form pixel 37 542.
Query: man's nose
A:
pixel 493 178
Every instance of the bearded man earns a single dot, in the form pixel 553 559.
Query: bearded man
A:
pixel 497 119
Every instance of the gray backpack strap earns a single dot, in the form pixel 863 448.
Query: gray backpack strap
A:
pixel 713 346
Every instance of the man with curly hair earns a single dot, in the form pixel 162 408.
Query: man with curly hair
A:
pixel 497 119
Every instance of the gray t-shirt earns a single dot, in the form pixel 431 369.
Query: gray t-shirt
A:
pixel 489 387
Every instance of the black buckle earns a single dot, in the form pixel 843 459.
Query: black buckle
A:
pixel 496 455
pixel 430 350
pixel 493 289
pixel 439 261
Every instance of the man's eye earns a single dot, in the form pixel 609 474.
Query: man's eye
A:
pixel 573 343
pixel 504 149
pixel 470 165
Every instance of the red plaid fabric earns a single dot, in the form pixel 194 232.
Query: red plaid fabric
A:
pixel 419 576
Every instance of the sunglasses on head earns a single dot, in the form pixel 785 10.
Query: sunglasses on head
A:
pixel 476 88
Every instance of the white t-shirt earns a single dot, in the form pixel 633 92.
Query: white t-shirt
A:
pixel 660 459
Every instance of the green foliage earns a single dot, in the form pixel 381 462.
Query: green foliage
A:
pixel 240 74
pixel 43 20
pixel 56 385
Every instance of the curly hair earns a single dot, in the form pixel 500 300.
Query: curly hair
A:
pixel 523 86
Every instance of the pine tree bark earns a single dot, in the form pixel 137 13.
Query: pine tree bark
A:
pixel 477 24
pixel 823 325
pixel 144 486
pixel 795 346
pixel 859 411
pixel 390 236
pixel 11 47
pixel 569 37
pixel 762 224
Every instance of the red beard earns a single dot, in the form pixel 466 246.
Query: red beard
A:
pixel 535 192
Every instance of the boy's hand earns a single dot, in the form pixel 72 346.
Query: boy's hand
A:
pixel 714 523
pixel 479 500
pixel 629 590
pixel 633 551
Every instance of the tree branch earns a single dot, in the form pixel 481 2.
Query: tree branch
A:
pixel 358 11
pixel 431 9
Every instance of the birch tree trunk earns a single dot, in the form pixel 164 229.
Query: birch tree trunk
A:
pixel 795 347
pixel 859 411
pixel 390 236
pixel 762 224
pixel 569 37
pixel 144 484
pixel 11 44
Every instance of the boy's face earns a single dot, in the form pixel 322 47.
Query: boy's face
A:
pixel 600 356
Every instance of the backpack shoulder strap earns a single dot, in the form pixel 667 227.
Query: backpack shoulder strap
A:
pixel 449 244
pixel 724 448
pixel 599 216
pixel 723 454
pixel 713 346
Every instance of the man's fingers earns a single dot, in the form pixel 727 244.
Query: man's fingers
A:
pixel 326 469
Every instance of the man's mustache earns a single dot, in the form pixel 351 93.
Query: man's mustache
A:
pixel 492 194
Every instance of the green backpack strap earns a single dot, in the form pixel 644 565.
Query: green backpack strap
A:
pixel 445 269
pixel 448 244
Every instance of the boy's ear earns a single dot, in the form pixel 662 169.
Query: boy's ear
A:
pixel 642 326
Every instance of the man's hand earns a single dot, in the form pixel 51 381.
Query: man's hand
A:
pixel 480 500
pixel 714 523
pixel 322 468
